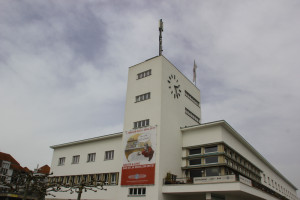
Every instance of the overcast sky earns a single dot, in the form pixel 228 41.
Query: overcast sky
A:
pixel 64 65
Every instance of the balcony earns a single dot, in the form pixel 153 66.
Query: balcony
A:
pixel 234 184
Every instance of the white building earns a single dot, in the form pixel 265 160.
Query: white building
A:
pixel 164 152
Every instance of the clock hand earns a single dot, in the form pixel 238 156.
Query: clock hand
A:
pixel 175 87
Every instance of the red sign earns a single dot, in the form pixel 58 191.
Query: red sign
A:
pixel 138 175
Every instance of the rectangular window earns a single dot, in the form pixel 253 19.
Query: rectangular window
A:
pixel 212 171
pixel 190 97
pixel 109 155
pixel 137 192
pixel 106 179
pixel 78 179
pixel 98 177
pixel 140 124
pixel 75 159
pixel 192 115
pixel 211 149
pixel 144 74
pixel 142 97
pixel 195 162
pixel 61 161
pixel 195 151
pixel 211 159
pixel 91 157
pixel 72 180
pixel 67 179
pixel 113 178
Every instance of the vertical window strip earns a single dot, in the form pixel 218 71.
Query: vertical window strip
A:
pixel 193 99
pixel 192 115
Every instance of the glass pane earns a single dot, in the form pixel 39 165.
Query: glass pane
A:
pixel 195 162
pixel 212 159
pixel 195 151
pixel 211 149
pixel 196 173
pixel 213 171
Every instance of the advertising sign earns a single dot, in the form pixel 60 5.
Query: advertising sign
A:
pixel 139 156
pixel 214 179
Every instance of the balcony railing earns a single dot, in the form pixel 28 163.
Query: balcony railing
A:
pixel 202 180
pixel 223 179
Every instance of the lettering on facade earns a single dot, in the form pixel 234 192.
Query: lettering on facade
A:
pixel 214 179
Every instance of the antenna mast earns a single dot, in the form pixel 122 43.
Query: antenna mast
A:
pixel 161 29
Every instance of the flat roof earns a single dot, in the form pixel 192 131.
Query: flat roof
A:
pixel 224 124
pixel 103 137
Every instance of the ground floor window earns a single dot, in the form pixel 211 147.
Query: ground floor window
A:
pixel 137 192
pixel 196 173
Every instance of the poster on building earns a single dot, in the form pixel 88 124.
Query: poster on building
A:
pixel 139 156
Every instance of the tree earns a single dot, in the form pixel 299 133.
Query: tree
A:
pixel 37 186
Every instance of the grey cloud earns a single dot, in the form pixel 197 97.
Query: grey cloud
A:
pixel 63 68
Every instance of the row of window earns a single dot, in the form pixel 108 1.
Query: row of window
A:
pixel 278 187
pixel 206 160
pixel 142 97
pixel 231 158
pixel 140 124
pixel 91 157
pixel 241 160
pixel 192 115
pixel 193 99
pixel 241 169
pixel 106 178
pixel 144 74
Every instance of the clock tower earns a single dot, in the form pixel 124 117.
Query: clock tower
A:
pixel 159 96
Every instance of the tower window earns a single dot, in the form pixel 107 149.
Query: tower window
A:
pixel 142 97
pixel 140 124
pixel 144 74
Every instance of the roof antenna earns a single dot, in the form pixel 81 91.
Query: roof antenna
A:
pixel 161 29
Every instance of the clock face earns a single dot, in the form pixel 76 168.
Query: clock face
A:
pixel 174 86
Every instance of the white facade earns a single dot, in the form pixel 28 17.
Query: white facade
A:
pixel 160 96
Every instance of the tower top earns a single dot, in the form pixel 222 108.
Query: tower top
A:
pixel 161 29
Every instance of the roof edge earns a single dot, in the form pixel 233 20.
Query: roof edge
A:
pixel 87 140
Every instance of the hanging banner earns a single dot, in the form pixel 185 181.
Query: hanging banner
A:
pixel 139 156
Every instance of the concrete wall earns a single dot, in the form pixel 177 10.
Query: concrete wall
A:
pixel 99 166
